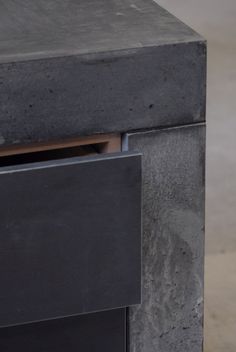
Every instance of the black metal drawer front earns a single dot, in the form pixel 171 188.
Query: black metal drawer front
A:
pixel 70 236
pixel 97 332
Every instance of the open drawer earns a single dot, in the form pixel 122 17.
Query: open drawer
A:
pixel 70 237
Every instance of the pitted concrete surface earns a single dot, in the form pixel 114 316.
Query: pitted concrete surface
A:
pixel 216 20
pixel 170 316
pixel 62 80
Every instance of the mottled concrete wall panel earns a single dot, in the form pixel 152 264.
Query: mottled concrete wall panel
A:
pixel 171 315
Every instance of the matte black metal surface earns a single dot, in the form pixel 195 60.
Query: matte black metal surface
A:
pixel 70 235
pixel 100 332
pixel 80 67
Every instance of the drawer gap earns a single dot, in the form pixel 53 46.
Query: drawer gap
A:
pixel 86 146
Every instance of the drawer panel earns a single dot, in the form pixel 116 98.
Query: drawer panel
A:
pixel 97 332
pixel 70 237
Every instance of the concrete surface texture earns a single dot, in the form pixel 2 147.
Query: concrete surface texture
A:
pixel 123 53
pixel 216 20
pixel 170 316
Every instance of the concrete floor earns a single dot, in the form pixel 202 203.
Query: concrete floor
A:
pixel 216 21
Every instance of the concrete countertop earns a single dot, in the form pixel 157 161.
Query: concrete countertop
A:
pixel 82 67
pixel 43 29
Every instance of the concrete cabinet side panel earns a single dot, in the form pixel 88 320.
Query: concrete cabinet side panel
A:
pixel 170 318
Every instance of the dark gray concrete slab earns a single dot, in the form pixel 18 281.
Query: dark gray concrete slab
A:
pixel 85 67
pixel 48 28
pixel 170 317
